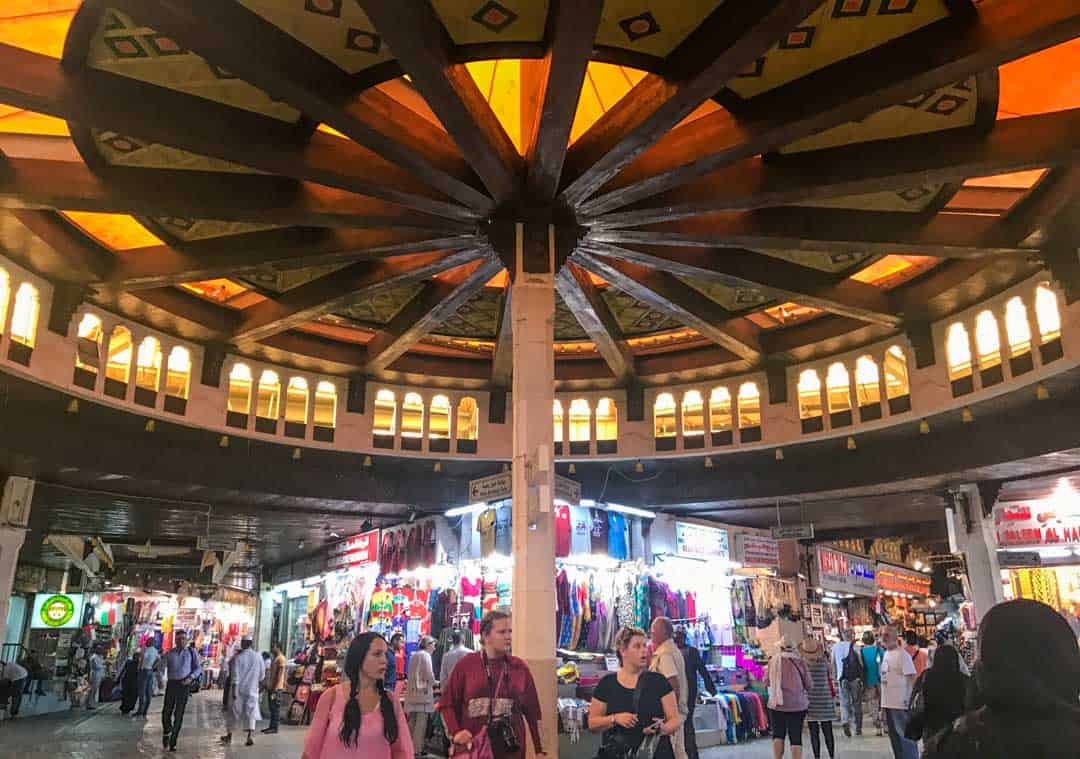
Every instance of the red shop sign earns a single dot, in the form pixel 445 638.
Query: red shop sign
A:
pixel 355 551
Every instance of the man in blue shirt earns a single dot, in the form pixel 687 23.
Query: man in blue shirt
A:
pixel 182 667
pixel 147 671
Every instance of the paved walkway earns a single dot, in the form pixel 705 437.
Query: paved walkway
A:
pixel 106 734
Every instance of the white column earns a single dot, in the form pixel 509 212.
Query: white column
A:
pixel 532 303
pixel 14 514
pixel 979 547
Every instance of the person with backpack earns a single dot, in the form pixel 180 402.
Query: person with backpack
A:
pixel 849 675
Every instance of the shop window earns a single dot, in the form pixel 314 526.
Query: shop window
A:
pixel 720 416
pixel 811 411
pixel 1018 333
pixel 24 318
pixel 147 371
pixel 89 336
pixel 412 422
pixel 838 391
pixel 988 348
pixel 580 422
pixel 5 293
pixel 118 363
pixel 868 388
pixel 384 422
pixel 296 407
pixel 239 401
pixel 557 423
pixel 267 402
pixel 468 425
pixel 324 413
pixel 177 379
pixel 749 400
pixel 607 426
pixel 958 354
pixel 439 425
pixel 693 419
pixel 664 422
pixel 1046 315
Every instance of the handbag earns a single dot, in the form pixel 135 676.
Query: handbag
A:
pixel 618 743
pixel 916 711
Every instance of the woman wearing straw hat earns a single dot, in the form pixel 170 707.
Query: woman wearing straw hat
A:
pixel 821 710
pixel 789 687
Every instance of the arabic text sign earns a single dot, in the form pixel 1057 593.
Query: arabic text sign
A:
pixel 495 487
pixel 793 532
pixel 355 551
pixel 1035 523
pixel 845 573
pixel 760 552
pixel 902 580
pixel 700 542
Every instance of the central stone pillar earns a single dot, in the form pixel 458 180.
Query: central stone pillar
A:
pixel 532 310
pixel 18 492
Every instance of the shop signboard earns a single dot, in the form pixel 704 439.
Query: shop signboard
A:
pixel 700 542
pixel 567 490
pixel 1029 524
pixel 793 532
pixel 845 573
pixel 902 580
pixel 495 487
pixel 758 551
pixel 217 544
pixel 355 551
pixel 1019 558
pixel 56 611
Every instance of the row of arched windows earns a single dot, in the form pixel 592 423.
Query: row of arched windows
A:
pixel 988 351
pixel 576 426
pixel 720 419
pixel 299 400
pixel 24 317
pixel 408 421
pixel 838 395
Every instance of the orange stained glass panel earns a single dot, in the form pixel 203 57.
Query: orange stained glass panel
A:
pixel 220 290
pixel 113 230
pixel 891 270
pixel 40 26
pixel 1041 83
pixel 20 121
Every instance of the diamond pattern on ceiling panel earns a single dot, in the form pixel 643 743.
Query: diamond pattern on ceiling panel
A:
pixel 121 150
pixel 475 21
pixel 381 307
pixel 821 260
pixel 338 30
pixel 186 229
pixel 477 317
pixel 838 29
pixel 731 298
pixel 635 317
pixel 653 27
pixel 279 281
pixel 122 47
pixel 909 199
pixel 946 108
pixel 566 324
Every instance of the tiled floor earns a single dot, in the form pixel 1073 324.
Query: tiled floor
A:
pixel 106 734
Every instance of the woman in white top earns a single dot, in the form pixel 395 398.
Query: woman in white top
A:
pixel 420 692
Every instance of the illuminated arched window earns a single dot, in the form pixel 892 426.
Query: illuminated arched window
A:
pixel 1017 329
pixel 118 360
pixel 5 293
pixel 896 374
pixel 557 420
pixel 24 317
pixel 720 410
pixel 324 414
pixel 1046 313
pixel 148 364
pixel 468 419
pixel 88 344
pixel 693 414
pixel 607 420
pixel 867 381
pixel 810 406
pixel 958 351
pixel 838 388
pixel 385 417
pixel 580 416
pixel 240 389
pixel 439 421
pixel 664 415
pixel 749 405
pixel 178 372
pixel 412 416
pixel 296 400
pixel 987 340
pixel 268 397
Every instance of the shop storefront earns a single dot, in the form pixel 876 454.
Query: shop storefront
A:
pixel 844 592
pixel 904 600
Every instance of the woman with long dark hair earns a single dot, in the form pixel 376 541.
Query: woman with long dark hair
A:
pixel 944 689
pixel 129 679
pixel 358 719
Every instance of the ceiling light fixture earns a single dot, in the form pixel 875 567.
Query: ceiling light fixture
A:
pixel 639 468
pixel 779 455
pixel 572 469
pixel 924 427
pixel 966 416
pixel 437 467
pixel 367 461
pixel 223 441
pixel 708 462
pixel 1041 393
pixel 631 511
pixel 73 406
pixel 296 454
pixel 851 443
pixel 150 426
pixel 458 511
pixel 366 526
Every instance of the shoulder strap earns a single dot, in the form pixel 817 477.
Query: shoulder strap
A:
pixel 639 688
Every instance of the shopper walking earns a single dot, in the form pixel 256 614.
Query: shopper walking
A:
pixel 420 692
pixel 871 660
pixel 129 684
pixel 1026 709
pixel 789 697
pixel 669 662
pixel 633 703
pixel 358 718
pixel 96 673
pixel 695 667
pixel 848 671
pixel 941 690
pixel 919 656
pixel 148 668
pixel 457 651
pixel 14 679
pixel 493 693
pixel 897 677
pixel 275 685
pixel 246 673
pixel 820 711
pixel 182 669
pixel 397 646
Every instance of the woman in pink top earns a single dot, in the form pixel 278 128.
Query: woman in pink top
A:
pixel 357 718
pixel 789 697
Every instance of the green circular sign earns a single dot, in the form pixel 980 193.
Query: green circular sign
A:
pixel 57 611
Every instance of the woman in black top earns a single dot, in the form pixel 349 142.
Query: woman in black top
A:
pixel 612 707
pixel 944 689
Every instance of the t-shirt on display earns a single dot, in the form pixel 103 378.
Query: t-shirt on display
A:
pixel 485 525
pixel 562 531
pixel 580 530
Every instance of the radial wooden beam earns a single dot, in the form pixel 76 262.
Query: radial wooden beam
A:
pixel 736 267
pixel 1031 219
pixel 413 30
pixel 291 248
pixel 502 360
pixel 670 295
pixel 67 186
pixel 731 38
pixel 434 304
pixel 226 33
pixel 901 164
pixel 342 288
pixel 155 114
pixel 590 309
pixel 553 86
pixel 937 55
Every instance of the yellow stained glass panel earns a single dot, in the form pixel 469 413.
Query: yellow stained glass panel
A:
pixel 113 230
pixel 40 26
pixel 20 121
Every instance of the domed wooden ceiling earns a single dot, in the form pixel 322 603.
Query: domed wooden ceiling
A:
pixel 325 181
